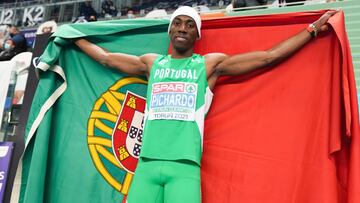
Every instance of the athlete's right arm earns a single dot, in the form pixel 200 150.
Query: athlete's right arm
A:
pixel 137 65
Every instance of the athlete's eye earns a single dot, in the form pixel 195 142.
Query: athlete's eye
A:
pixel 190 25
pixel 176 23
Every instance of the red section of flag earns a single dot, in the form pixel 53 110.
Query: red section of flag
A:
pixel 288 133
pixel 124 199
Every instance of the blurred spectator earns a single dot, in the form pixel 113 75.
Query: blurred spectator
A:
pixel 3 34
pixel 47 27
pixel 14 44
pixel 248 3
pixel 203 2
pixel 46 30
pixel 8 50
pixel 88 11
pixel 18 39
pixel 221 4
pixel 108 8
pixel 130 13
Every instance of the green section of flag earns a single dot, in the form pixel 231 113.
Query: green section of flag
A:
pixel 57 164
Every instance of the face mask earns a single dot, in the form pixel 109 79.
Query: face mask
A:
pixel 7 46
pixel 11 35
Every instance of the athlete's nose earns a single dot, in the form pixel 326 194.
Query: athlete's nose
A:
pixel 182 27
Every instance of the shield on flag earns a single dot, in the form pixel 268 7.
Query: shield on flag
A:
pixel 128 131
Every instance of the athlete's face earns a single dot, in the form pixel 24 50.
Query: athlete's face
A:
pixel 183 33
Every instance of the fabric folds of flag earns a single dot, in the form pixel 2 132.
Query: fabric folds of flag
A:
pixel 288 133
pixel 68 155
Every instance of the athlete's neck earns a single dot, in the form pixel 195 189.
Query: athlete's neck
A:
pixel 178 55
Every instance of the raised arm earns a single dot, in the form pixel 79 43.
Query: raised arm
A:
pixel 243 63
pixel 137 65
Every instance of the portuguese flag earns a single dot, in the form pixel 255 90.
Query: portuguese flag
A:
pixel 69 154
pixel 288 133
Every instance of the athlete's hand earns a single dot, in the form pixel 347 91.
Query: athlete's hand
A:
pixel 321 23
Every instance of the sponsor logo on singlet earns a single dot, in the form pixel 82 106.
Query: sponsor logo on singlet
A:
pixel 173 101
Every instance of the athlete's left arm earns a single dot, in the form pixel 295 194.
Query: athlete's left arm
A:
pixel 243 63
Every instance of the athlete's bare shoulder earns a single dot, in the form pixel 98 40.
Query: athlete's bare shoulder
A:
pixel 215 55
pixel 148 59
pixel 212 60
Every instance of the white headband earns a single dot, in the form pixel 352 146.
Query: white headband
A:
pixel 187 11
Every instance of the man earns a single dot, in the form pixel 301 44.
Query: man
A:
pixel 179 95
pixel 18 39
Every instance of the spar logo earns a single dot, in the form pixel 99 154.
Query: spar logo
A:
pixel 114 134
pixel 173 101
pixel 127 136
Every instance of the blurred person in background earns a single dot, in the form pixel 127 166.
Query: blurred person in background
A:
pixel 88 12
pixel 221 4
pixel 13 45
pixel 46 30
pixel 3 34
pixel 130 14
pixel 248 3
pixel 108 9
pixel 18 39
pixel 8 50
pixel 244 3
pixel 47 27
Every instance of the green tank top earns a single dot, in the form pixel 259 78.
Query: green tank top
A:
pixel 178 98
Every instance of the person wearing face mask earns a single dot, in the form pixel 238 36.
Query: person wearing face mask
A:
pixel 18 39
pixel 8 50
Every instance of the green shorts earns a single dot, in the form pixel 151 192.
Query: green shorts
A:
pixel 162 181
